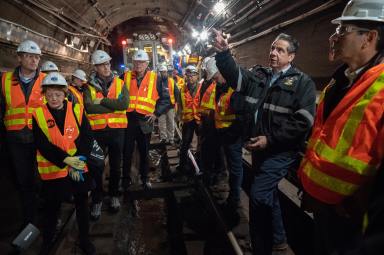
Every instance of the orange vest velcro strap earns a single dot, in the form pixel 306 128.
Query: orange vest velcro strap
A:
pixel 18 113
pixel 115 119
pixel 142 99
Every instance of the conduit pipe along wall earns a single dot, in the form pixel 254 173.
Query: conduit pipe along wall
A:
pixel 190 10
pixel 245 19
pixel 270 18
pixel 238 13
pixel 286 23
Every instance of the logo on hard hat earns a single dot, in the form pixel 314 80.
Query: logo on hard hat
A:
pixel 54 79
pixel 139 55
pixel 33 47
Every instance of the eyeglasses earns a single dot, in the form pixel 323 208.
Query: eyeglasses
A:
pixel 343 30
pixel 190 74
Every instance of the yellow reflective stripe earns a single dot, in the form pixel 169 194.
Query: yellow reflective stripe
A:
pixel 329 182
pixel 42 122
pixel 76 110
pixel 12 111
pixel 147 100
pixel 128 76
pixel 227 117
pixel 97 122
pixel 13 122
pixel 131 105
pixel 93 92
pixel 151 84
pixel 146 108
pixel 72 151
pixel 118 87
pixel 117 120
pixel 340 159
pixel 8 81
pixel 365 222
pixel 357 114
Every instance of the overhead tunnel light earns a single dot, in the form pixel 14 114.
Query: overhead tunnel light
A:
pixel 218 7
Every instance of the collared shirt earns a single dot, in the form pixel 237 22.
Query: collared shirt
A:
pixel 274 78
pixel 352 75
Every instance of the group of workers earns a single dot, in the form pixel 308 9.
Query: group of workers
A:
pixel 270 111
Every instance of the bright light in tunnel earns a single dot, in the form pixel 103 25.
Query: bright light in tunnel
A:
pixel 195 34
pixel 218 7
pixel 204 35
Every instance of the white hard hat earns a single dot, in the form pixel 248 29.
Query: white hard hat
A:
pixel 99 57
pixel 54 79
pixel 211 68
pixel 204 63
pixel 163 68
pixel 140 55
pixel 363 10
pixel 49 66
pixel 170 68
pixel 80 74
pixel 191 69
pixel 29 46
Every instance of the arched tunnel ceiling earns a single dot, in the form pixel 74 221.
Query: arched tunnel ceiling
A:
pixel 252 24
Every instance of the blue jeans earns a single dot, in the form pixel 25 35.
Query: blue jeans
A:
pixel 234 156
pixel 266 223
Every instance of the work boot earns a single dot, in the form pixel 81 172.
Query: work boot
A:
pixel 114 207
pixel 281 249
pixel 96 211
pixel 87 247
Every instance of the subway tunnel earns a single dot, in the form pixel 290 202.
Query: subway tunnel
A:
pixel 176 214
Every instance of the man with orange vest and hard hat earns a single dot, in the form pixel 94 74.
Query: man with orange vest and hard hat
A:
pixel 105 100
pixel 76 88
pixel 143 95
pixel 20 95
pixel 229 129
pixel 63 141
pixel 190 116
pixel 346 148
pixel 165 106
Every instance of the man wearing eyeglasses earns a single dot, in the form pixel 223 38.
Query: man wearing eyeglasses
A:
pixel 346 148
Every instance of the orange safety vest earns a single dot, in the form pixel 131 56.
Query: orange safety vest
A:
pixel 207 102
pixel 224 116
pixel 180 82
pixel 77 94
pixel 18 112
pixel 115 119
pixel 143 99
pixel 66 141
pixel 190 104
pixel 346 149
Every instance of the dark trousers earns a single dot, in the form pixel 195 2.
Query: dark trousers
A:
pixel 133 134
pixel 189 128
pixel 212 156
pixel 265 220
pixel 52 204
pixel 234 156
pixel 334 232
pixel 24 166
pixel 112 142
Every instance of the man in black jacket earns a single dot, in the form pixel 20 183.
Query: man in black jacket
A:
pixel 283 102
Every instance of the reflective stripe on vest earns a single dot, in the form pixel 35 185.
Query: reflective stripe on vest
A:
pixel 224 116
pixel 66 141
pixel 171 89
pixel 190 105
pixel 18 113
pixel 343 152
pixel 115 119
pixel 143 99
pixel 77 94
pixel 208 99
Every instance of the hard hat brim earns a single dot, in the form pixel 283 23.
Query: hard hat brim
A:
pixel 353 18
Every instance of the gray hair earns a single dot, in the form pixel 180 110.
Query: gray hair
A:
pixel 293 43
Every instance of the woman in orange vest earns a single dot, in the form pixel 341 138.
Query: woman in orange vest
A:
pixel 76 88
pixel 63 142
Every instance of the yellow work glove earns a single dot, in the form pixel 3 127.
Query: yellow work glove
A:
pixel 74 174
pixel 74 162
